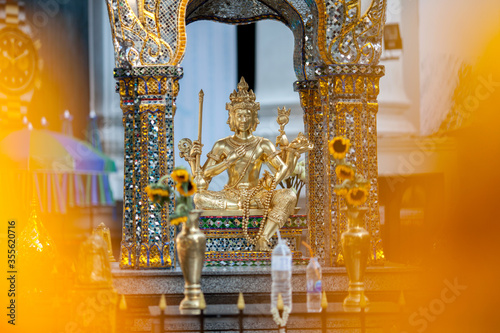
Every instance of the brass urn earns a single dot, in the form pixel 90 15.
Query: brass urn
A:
pixel 190 245
pixel 355 245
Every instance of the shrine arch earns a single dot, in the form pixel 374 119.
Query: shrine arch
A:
pixel 337 49
pixel 300 16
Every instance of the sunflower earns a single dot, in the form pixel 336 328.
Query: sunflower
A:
pixel 158 193
pixel 344 171
pixel 338 147
pixel 180 175
pixel 186 188
pixel 177 220
pixel 341 191
pixel 357 196
pixel 150 193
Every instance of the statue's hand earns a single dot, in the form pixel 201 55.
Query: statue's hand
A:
pixel 196 148
pixel 282 140
pixel 301 144
pixel 185 146
pixel 201 183
pixel 235 155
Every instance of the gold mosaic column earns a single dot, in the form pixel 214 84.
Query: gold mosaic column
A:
pixel 318 212
pixel 148 103
pixel 349 43
pixel 348 94
pixel 149 43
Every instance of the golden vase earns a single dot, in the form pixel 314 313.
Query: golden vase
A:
pixel 190 244
pixel 355 245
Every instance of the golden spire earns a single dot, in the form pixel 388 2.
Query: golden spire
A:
pixel 163 302
pixel 36 247
pixel 362 301
pixel 401 299
pixel 324 301
pixel 241 302
pixel 123 304
pixel 279 304
pixel 203 304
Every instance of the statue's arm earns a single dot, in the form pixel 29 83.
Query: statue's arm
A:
pixel 291 157
pixel 275 162
pixel 216 162
pixel 192 165
pixel 212 168
pixel 291 153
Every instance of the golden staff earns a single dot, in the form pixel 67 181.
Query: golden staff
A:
pixel 200 117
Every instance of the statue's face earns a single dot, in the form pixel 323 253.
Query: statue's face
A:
pixel 243 120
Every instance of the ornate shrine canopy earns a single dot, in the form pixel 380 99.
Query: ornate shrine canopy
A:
pixel 152 32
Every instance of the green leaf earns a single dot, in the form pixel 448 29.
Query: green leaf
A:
pixel 185 187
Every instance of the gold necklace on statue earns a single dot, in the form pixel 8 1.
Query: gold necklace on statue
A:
pixel 236 142
pixel 247 197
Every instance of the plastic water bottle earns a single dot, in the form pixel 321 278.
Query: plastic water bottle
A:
pixel 281 267
pixel 313 275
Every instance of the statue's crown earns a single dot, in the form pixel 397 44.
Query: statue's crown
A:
pixel 243 98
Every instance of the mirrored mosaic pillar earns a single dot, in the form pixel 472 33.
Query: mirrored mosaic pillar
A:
pixel 340 99
pixel 147 99
pixel 348 96
pixel 318 212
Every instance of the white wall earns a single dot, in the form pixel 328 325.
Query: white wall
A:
pixel 274 79
pixel 399 90
pixel 438 37
pixel 451 32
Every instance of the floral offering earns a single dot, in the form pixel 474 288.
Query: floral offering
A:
pixel 297 179
pixel 160 193
pixel 353 187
